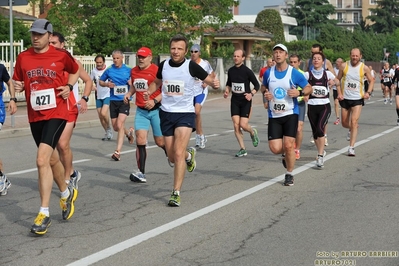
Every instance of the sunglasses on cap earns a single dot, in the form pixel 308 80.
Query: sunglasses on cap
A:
pixel 194 51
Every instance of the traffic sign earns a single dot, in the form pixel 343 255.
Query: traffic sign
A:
pixel 14 2
pixel 397 54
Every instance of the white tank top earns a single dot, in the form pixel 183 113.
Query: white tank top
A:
pixel 177 88
pixel 198 83
pixel 352 82
pixel 281 104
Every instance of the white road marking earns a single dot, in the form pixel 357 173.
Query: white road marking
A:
pixel 35 169
pixel 115 249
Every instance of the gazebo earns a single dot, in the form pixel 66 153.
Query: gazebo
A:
pixel 243 37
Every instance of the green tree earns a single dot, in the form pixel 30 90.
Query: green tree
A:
pixel 104 25
pixel 311 14
pixel 385 16
pixel 269 20
pixel 19 30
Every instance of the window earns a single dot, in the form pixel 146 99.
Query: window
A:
pixel 373 2
pixel 357 3
pixel 339 17
pixel 356 17
pixel 339 3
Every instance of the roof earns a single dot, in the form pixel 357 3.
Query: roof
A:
pixel 250 19
pixel 242 32
pixel 5 12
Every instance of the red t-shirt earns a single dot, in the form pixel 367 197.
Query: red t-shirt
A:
pixel 141 79
pixel 262 71
pixel 42 73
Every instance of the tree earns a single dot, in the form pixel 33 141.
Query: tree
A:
pixel 269 20
pixel 19 30
pixel 311 14
pixel 385 16
pixel 105 25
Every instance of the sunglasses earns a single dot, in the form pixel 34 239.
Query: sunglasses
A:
pixel 194 51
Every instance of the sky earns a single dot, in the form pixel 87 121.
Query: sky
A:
pixel 253 7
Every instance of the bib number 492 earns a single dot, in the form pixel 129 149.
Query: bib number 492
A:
pixel 279 107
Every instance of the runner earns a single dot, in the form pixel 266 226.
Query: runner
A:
pixel 351 76
pixel 279 88
pixel 338 64
pixel 5 183
pixel 177 77
pixel 117 78
pixel 238 82
pixel 295 62
pixel 102 96
pixel 39 71
pixel 319 108
pixel 64 148
pixel 147 112
pixel 200 95
pixel 387 75
pixel 396 78
pixel 269 63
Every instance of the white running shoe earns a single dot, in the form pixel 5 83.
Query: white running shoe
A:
pixel 138 177
pixel 202 142
pixel 311 139
pixel 348 136
pixel 326 141
pixel 197 140
pixel 390 101
pixel 320 162
pixel 351 151
pixel 7 185
pixel 110 134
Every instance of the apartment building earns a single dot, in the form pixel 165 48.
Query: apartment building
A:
pixel 349 13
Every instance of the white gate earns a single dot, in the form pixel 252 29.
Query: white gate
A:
pixel 5 50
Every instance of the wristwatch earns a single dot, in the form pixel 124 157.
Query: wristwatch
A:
pixel 155 101
pixel 13 99
pixel 70 86
pixel 85 98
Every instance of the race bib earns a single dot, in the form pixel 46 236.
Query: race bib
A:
pixel 141 84
pixel 120 90
pixel 319 91
pixel 278 106
pixel 352 85
pixel 43 99
pixel 387 79
pixel 173 87
pixel 238 88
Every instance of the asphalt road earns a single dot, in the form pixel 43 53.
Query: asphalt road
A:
pixel 234 211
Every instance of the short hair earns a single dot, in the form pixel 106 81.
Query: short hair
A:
pixel 319 53
pixel 243 52
pixel 295 55
pixel 178 38
pixel 117 52
pixel 60 37
pixel 99 56
pixel 316 45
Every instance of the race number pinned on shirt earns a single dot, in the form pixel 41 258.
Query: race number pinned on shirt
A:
pixel 387 79
pixel 43 99
pixel 173 87
pixel 279 104
pixel 141 84
pixel 352 85
pixel 238 88
pixel 319 91
pixel 120 90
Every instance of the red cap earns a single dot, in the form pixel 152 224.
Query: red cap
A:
pixel 144 51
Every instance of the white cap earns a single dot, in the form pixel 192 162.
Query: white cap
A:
pixel 281 46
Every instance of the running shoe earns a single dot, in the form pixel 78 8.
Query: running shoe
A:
pixel 241 153
pixel 110 134
pixel 325 141
pixel 337 121
pixel 202 141
pixel 311 139
pixel 174 200
pixel 390 101
pixel 385 101
pixel 7 185
pixel 116 156
pixel 351 152
pixel 191 164
pixel 2 182
pixel 397 122
pixel 348 136
pixel 41 223
pixel 289 180
pixel 283 161
pixel 67 204
pixel 138 177
pixel 255 138
pixel 130 135
pixel 170 163
pixel 320 161
pixel 75 178
pixel 197 140
pixel 105 136
pixel 297 154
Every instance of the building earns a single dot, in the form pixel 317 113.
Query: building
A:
pixel 349 13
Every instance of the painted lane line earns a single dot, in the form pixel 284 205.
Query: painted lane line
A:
pixel 35 169
pixel 115 249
